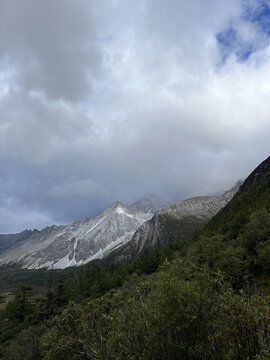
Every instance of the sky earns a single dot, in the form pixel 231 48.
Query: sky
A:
pixel 118 100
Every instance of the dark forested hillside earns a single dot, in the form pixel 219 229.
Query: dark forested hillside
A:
pixel 196 300
pixel 253 194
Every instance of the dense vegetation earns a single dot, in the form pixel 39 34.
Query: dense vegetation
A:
pixel 202 299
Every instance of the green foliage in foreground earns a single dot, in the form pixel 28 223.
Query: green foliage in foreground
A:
pixel 182 312
pixel 231 220
pixel 33 312
pixel 193 301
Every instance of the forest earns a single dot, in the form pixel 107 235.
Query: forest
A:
pixel 207 298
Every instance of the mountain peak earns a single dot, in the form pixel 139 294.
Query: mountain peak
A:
pixel 150 204
pixel 116 205
pixel 75 244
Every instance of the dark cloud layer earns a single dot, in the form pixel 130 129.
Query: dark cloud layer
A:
pixel 51 45
pixel 103 101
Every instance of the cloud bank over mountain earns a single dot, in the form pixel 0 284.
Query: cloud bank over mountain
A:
pixel 103 101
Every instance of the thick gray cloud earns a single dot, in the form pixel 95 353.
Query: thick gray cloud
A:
pixel 51 46
pixel 103 101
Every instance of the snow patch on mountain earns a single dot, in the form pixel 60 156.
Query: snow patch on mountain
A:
pixel 178 221
pixel 59 247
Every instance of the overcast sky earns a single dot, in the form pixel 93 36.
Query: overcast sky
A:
pixel 109 100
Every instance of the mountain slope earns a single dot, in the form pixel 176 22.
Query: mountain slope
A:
pixel 76 244
pixel 8 240
pixel 121 230
pixel 178 221
pixel 213 278
pixel 253 194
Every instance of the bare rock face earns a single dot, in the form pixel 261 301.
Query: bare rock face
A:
pixel 7 240
pixel 59 247
pixel 176 222
pixel 121 232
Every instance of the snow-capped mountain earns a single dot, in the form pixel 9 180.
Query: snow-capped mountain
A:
pixel 120 232
pixel 178 221
pixel 59 247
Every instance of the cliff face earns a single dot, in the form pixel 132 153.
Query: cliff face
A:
pixel 59 247
pixel 178 221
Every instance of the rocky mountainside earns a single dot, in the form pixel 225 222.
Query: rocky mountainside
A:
pixel 8 240
pixel 120 232
pixel 59 247
pixel 179 221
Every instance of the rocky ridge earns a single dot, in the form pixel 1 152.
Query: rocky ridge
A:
pixel 121 232
pixel 178 221
pixel 59 247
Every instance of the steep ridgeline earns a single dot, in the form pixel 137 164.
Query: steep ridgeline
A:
pixel 59 247
pixel 178 221
pixel 253 195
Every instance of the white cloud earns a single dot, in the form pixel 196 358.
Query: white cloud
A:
pixel 118 100
pixel 52 45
